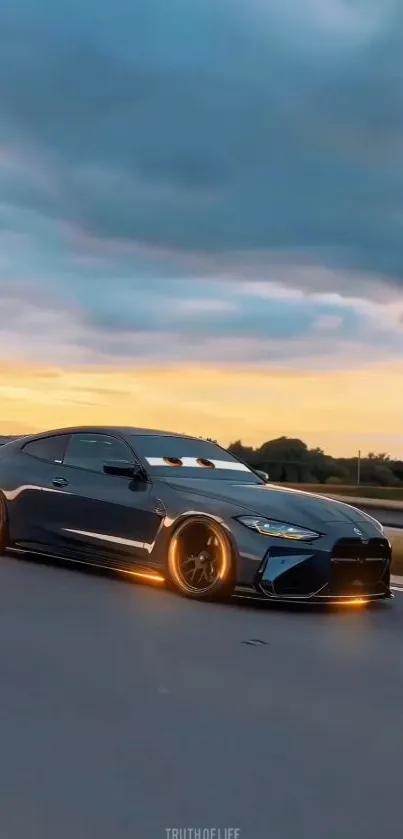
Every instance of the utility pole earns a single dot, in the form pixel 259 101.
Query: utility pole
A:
pixel 358 468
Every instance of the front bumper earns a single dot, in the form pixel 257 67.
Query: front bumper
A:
pixel 348 571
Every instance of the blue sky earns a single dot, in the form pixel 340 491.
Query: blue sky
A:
pixel 201 180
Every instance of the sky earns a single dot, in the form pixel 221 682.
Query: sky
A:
pixel 201 214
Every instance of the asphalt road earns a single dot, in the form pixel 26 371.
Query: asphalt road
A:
pixel 390 518
pixel 126 711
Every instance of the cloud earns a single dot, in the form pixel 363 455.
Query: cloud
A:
pixel 328 323
pixel 272 326
pixel 201 180
pixel 210 125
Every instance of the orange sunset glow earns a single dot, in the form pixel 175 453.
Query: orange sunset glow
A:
pixel 334 410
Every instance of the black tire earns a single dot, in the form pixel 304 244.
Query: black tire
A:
pixel 201 563
pixel 3 525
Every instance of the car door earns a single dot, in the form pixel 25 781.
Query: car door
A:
pixel 101 518
pixel 32 497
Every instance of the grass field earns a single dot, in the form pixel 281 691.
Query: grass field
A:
pixel 387 493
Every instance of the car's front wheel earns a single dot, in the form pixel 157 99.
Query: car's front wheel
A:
pixel 201 562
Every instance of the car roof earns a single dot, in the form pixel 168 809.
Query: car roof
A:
pixel 122 431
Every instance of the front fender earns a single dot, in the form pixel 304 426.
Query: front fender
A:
pixel 159 553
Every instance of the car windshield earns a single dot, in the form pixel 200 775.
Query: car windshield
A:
pixel 186 457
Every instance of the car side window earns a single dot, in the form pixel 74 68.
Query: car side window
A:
pixel 51 449
pixel 91 451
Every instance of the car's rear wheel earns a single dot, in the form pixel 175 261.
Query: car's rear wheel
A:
pixel 3 525
pixel 201 562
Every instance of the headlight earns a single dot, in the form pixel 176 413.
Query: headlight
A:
pixel 279 529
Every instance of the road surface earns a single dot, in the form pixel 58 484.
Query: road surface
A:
pixel 126 711
pixel 390 518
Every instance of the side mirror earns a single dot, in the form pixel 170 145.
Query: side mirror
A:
pixel 263 475
pixel 123 469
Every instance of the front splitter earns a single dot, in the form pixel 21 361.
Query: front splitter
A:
pixel 329 600
pixel 260 595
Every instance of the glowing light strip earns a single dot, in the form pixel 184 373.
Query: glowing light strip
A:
pixel 193 462
pixel 145 575
pixel 355 601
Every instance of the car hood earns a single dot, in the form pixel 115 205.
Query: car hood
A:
pixel 293 506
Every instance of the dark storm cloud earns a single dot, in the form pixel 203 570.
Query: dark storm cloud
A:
pixel 212 126
pixel 183 180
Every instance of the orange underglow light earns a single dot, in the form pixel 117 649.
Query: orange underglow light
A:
pixel 355 601
pixel 144 575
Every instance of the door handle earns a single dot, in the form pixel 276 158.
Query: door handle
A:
pixel 60 482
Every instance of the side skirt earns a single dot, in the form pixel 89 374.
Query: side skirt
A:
pixel 140 572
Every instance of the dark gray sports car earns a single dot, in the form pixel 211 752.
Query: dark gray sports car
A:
pixel 184 511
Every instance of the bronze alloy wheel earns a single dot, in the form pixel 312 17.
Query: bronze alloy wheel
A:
pixel 200 559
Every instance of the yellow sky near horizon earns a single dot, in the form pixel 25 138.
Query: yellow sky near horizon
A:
pixel 339 411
